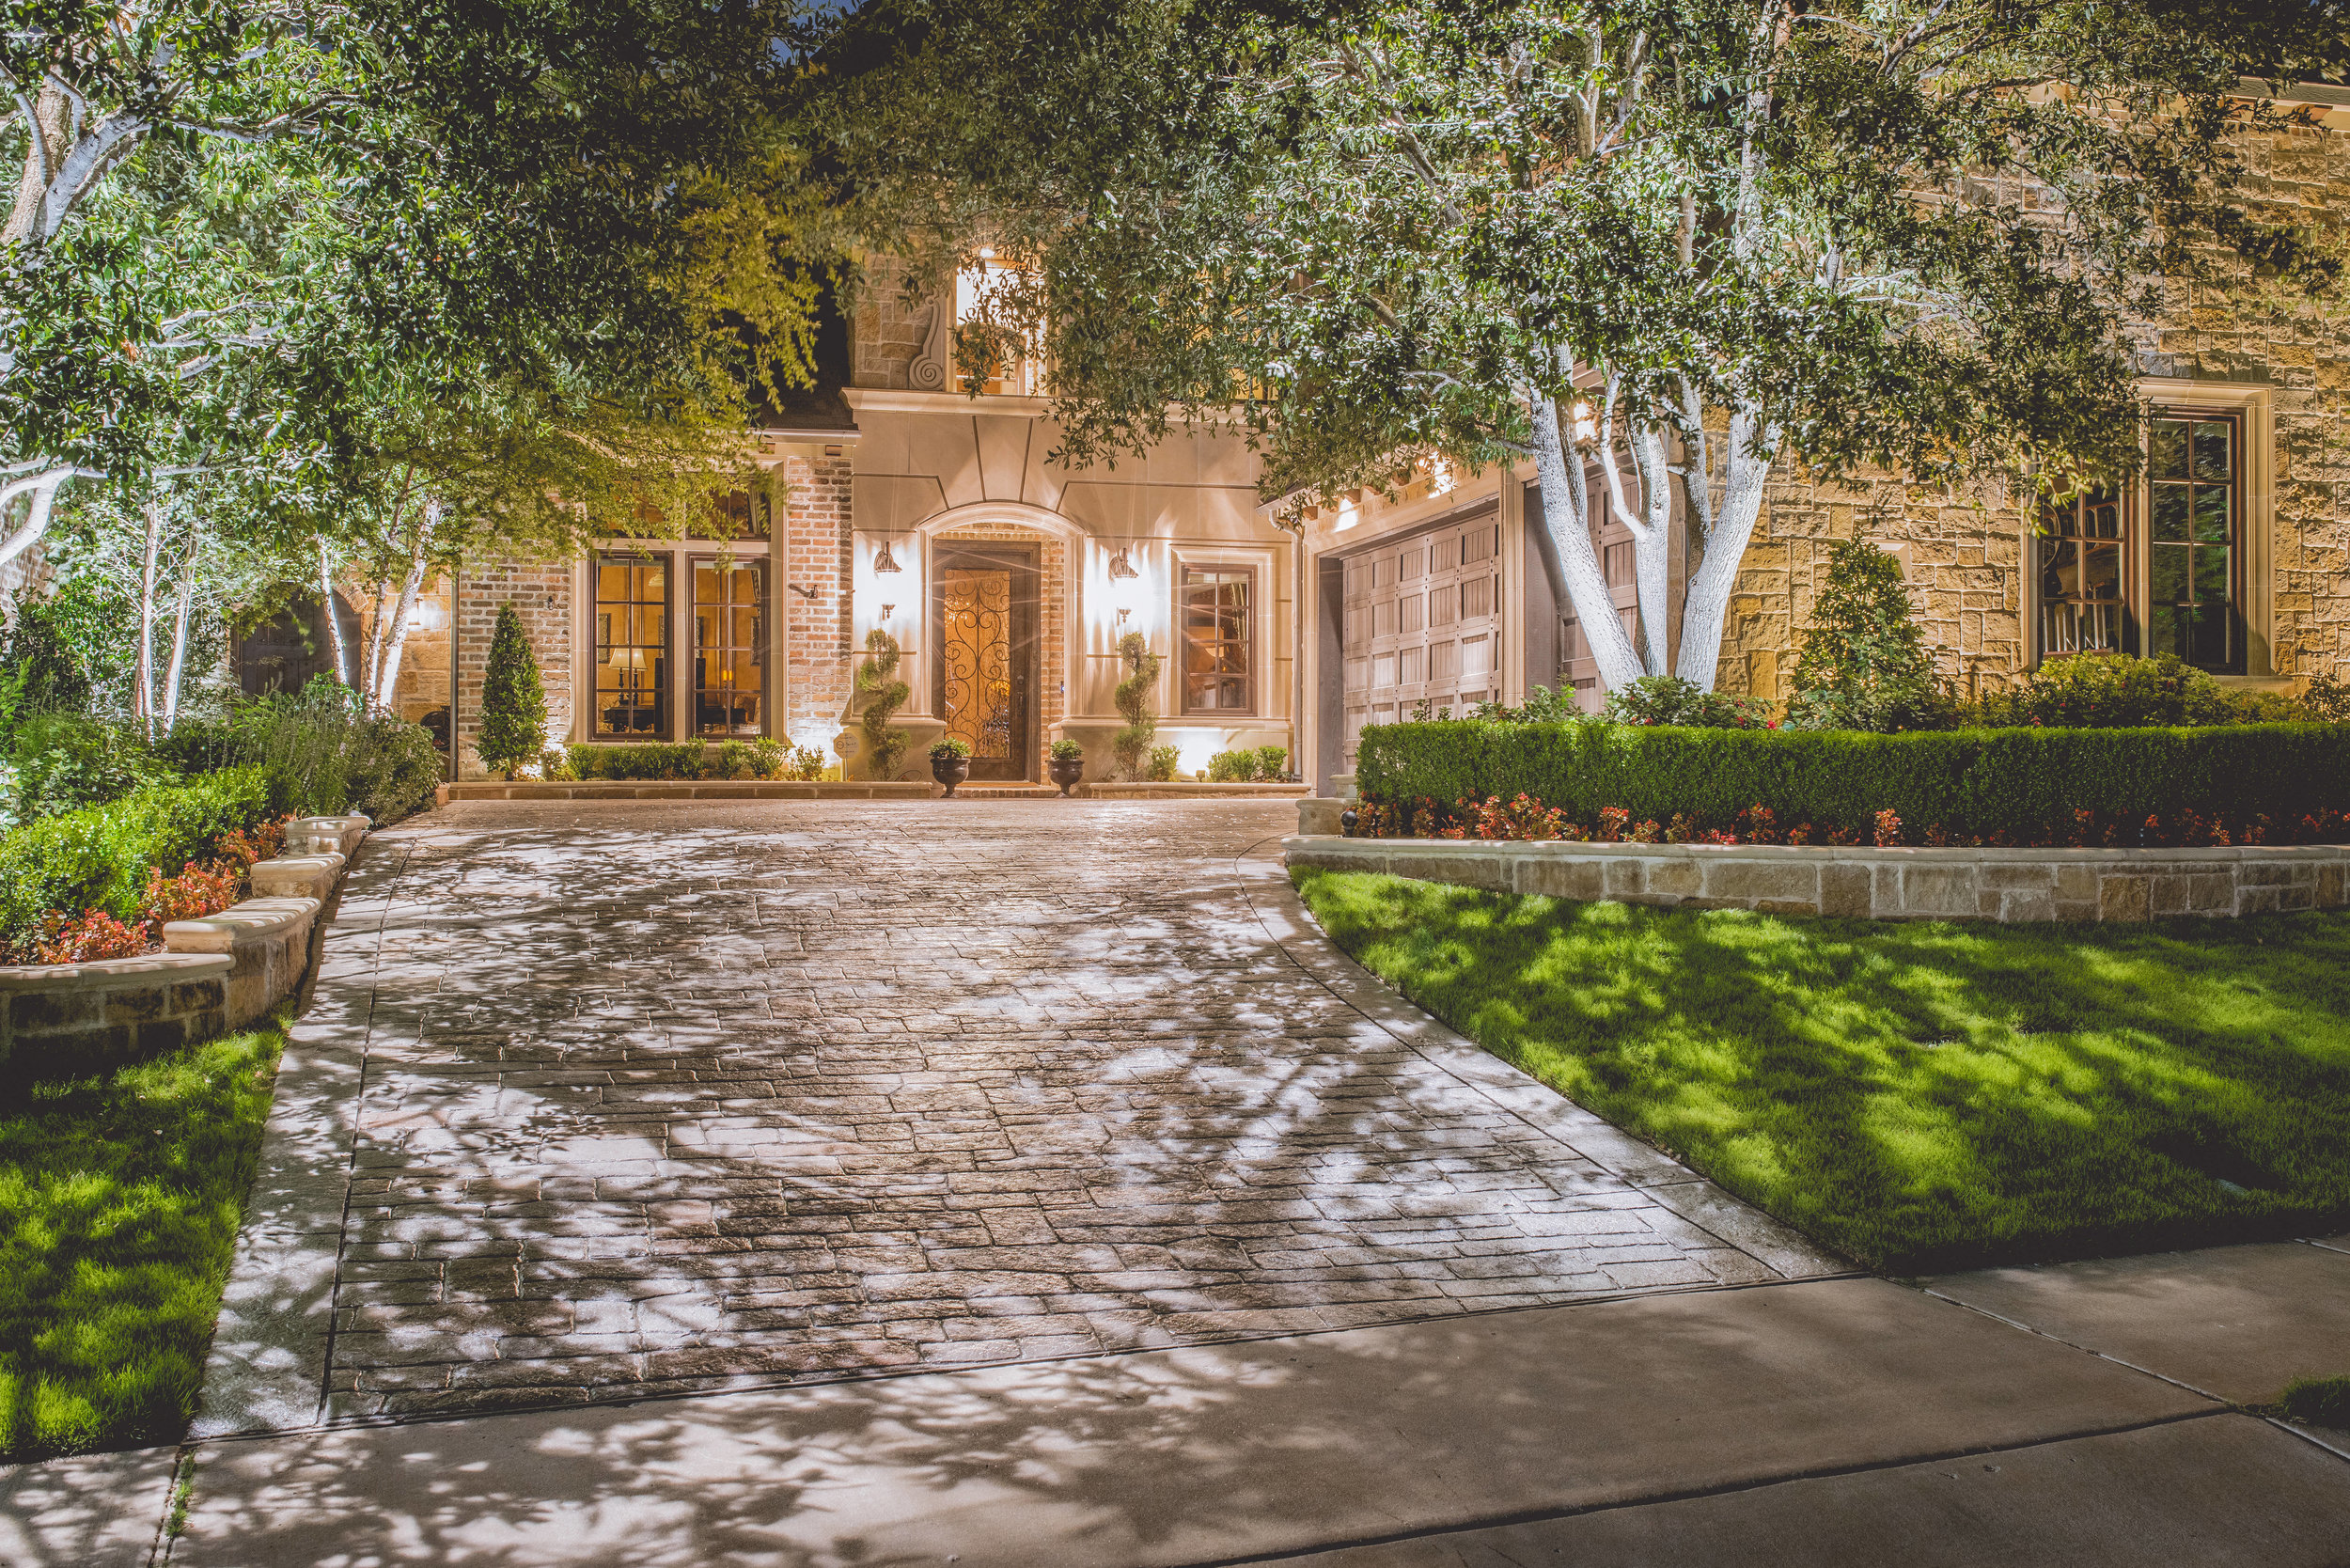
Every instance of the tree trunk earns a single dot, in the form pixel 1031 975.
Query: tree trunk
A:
pixel 343 671
pixel 143 691
pixel 395 638
pixel 1751 448
pixel 42 488
pixel 1567 557
pixel 179 635
pixel 44 156
pixel 1651 547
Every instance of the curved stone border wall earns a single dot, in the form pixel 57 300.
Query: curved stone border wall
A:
pixel 215 974
pixel 1873 883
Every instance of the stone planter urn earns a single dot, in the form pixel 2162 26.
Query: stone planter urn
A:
pixel 1065 771
pixel 949 770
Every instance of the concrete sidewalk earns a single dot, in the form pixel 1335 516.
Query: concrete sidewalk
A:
pixel 1832 1421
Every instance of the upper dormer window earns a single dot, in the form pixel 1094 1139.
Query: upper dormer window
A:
pixel 1014 360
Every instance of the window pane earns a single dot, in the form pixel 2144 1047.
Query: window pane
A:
pixel 2166 449
pixel 2167 626
pixel 2170 573
pixel 2212 513
pixel 2101 571
pixel 2170 507
pixel 2211 453
pixel 2209 639
pixel 2211 575
pixel 2102 517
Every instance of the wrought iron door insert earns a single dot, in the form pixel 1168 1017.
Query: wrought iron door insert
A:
pixel 984 608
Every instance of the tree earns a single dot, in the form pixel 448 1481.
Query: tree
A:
pixel 1655 246
pixel 513 702
pixel 1865 665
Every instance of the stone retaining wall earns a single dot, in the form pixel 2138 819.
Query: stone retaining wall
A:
pixel 755 788
pixel 1874 884
pixel 215 974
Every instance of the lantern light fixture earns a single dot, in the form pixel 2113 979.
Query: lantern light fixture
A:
pixel 1121 567
pixel 885 562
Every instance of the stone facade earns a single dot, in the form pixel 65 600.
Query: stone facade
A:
pixel 424 660
pixel 2005 886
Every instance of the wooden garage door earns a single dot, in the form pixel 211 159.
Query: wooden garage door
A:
pixel 1423 623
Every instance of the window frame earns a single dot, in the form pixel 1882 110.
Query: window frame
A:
pixel 664 717
pixel 1249 574
pixel 2237 622
pixel 2251 409
pixel 695 685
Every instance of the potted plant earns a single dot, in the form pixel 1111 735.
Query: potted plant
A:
pixel 950 761
pixel 1065 763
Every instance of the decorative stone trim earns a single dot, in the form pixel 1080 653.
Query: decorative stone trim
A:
pixel 1193 791
pixel 2008 885
pixel 215 974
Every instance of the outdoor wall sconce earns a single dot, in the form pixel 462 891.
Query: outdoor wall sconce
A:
pixel 885 609
pixel 885 562
pixel 1123 613
pixel 1120 567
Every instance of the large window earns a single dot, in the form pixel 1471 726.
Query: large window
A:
pixel 729 661
pixel 2161 571
pixel 631 647
pixel 2191 504
pixel 1217 604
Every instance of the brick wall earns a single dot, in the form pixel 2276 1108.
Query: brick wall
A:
pixel 542 595
pixel 811 498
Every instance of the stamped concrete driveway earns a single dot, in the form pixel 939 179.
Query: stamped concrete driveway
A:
pixel 603 1101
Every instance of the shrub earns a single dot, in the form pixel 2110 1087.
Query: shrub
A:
pixel 948 748
pixel 85 938
pixel 390 767
pixel 660 760
pixel 883 694
pixel 65 761
pixel 1233 767
pixel 1132 746
pixel 1273 762
pixel 1065 751
pixel 99 857
pixel 328 756
pixel 1864 664
pixel 2116 691
pixel 1160 769
pixel 1669 699
pixel 513 700
pixel 2009 785
pixel 40 671
pixel 2327 699
pixel 808 765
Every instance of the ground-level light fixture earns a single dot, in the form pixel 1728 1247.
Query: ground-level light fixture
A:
pixel 885 562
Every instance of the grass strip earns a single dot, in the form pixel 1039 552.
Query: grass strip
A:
pixel 2318 1401
pixel 1916 1096
pixel 120 1195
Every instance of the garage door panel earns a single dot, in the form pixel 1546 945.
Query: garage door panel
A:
pixel 1422 626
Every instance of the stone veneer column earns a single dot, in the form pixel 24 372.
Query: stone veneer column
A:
pixel 542 595
pixel 812 551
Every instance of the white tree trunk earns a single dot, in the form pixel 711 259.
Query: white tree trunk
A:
pixel 343 671
pixel 394 640
pixel 1651 543
pixel 42 488
pixel 1751 449
pixel 143 690
pixel 1568 554
pixel 179 635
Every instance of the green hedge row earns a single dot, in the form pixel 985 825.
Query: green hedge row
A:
pixel 689 760
pixel 2023 785
pixel 99 857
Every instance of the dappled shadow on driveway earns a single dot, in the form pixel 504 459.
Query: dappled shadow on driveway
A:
pixel 1196 1454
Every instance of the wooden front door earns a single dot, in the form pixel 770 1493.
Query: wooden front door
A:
pixel 984 676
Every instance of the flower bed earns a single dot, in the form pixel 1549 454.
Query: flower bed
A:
pixel 1602 783
pixel 68 881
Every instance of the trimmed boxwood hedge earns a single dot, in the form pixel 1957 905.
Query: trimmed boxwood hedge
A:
pixel 2018 785
pixel 99 857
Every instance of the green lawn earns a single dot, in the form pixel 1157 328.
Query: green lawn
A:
pixel 120 1199
pixel 1915 1096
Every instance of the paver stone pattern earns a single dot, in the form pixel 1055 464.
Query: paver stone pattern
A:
pixel 669 1096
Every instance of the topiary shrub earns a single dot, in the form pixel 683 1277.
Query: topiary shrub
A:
pixel 1131 745
pixel 513 700
pixel 1864 664
pixel 881 693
